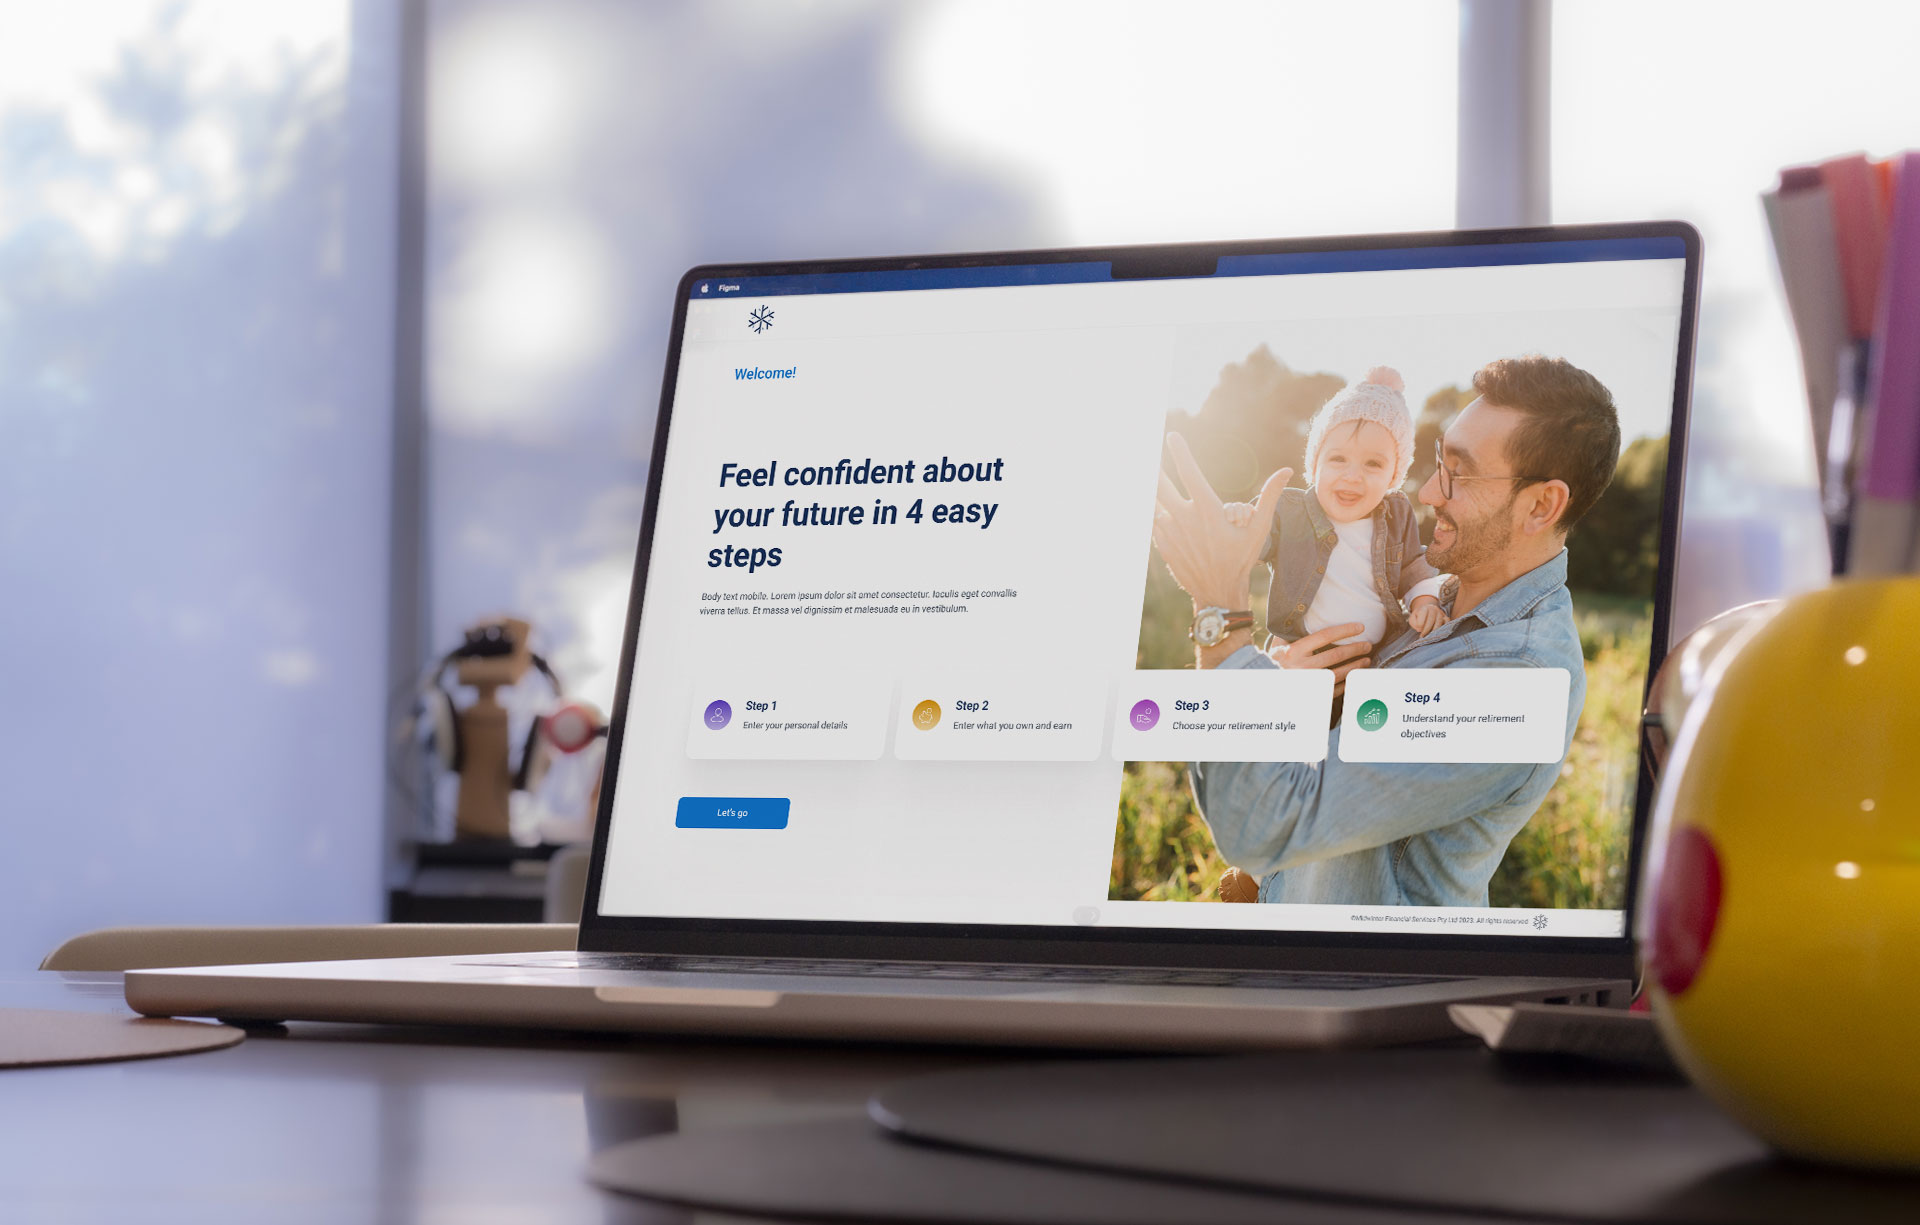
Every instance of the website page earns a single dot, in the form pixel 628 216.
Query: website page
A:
pixel 1035 603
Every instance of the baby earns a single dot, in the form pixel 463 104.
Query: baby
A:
pixel 1347 548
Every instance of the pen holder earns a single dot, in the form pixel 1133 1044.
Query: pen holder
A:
pixel 1780 905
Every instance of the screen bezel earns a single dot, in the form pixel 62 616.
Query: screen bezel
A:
pixel 1608 957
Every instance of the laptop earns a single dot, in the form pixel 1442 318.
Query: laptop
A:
pixel 985 678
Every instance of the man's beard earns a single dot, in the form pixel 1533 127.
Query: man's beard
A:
pixel 1475 542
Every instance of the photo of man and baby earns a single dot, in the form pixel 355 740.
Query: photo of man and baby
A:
pixel 1503 519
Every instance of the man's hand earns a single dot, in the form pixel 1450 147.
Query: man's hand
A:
pixel 1211 558
pixel 1318 650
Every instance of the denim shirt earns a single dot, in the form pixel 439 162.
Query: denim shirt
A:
pixel 1401 833
pixel 1303 538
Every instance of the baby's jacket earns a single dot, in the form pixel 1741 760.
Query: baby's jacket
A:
pixel 1303 538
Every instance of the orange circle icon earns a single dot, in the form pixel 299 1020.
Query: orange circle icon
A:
pixel 926 716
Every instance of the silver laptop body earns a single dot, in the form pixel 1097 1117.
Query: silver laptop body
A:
pixel 882 859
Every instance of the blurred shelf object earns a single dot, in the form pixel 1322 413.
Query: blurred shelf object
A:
pixel 474 881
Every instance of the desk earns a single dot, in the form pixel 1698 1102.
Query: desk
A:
pixel 332 1123
pixel 339 1123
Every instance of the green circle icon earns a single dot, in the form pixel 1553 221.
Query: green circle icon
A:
pixel 1373 715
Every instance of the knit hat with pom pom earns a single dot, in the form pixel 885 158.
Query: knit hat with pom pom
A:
pixel 1380 398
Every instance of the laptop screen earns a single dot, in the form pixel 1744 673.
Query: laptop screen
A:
pixel 1033 594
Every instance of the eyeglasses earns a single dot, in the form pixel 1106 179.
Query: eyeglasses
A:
pixel 1448 480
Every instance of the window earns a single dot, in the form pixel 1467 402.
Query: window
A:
pixel 196 337
pixel 1664 110
pixel 583 154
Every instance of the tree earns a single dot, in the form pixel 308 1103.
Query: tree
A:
pixel 1253 421
pixel 1440 408
pixel 1615 550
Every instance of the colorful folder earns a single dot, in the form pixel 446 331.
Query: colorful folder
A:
pixel 1846 234
pixel 1892 477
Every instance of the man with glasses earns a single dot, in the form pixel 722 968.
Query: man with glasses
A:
pixel 1518 468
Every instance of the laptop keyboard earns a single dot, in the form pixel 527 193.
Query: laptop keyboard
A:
pixel 1140 976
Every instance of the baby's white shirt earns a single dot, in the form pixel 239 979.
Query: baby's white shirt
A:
pixel 1346 590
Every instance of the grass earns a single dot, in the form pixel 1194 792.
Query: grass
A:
pixel 1572 854
pixel 1162 850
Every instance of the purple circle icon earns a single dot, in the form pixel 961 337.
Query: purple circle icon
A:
pixel 719 714
pixel 1146 713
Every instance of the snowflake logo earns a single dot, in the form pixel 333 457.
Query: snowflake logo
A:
pixel 1540 922
pixel 760 319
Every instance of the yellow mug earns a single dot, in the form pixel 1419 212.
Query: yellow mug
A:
pixel 1780 907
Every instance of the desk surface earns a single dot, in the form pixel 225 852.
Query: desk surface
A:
pixel 329 1123
pixel 339 1123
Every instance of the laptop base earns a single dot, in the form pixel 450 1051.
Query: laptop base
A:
pixel 529 991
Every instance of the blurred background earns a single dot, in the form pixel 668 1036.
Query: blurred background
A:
pixel 330 326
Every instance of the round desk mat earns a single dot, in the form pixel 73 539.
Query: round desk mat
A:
pixel 1428 1129
pixel 850 1170
pixel 32 1037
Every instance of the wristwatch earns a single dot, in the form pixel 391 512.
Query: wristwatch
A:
pixel 1212 625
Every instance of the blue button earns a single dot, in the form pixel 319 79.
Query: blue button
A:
pixel 716 812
